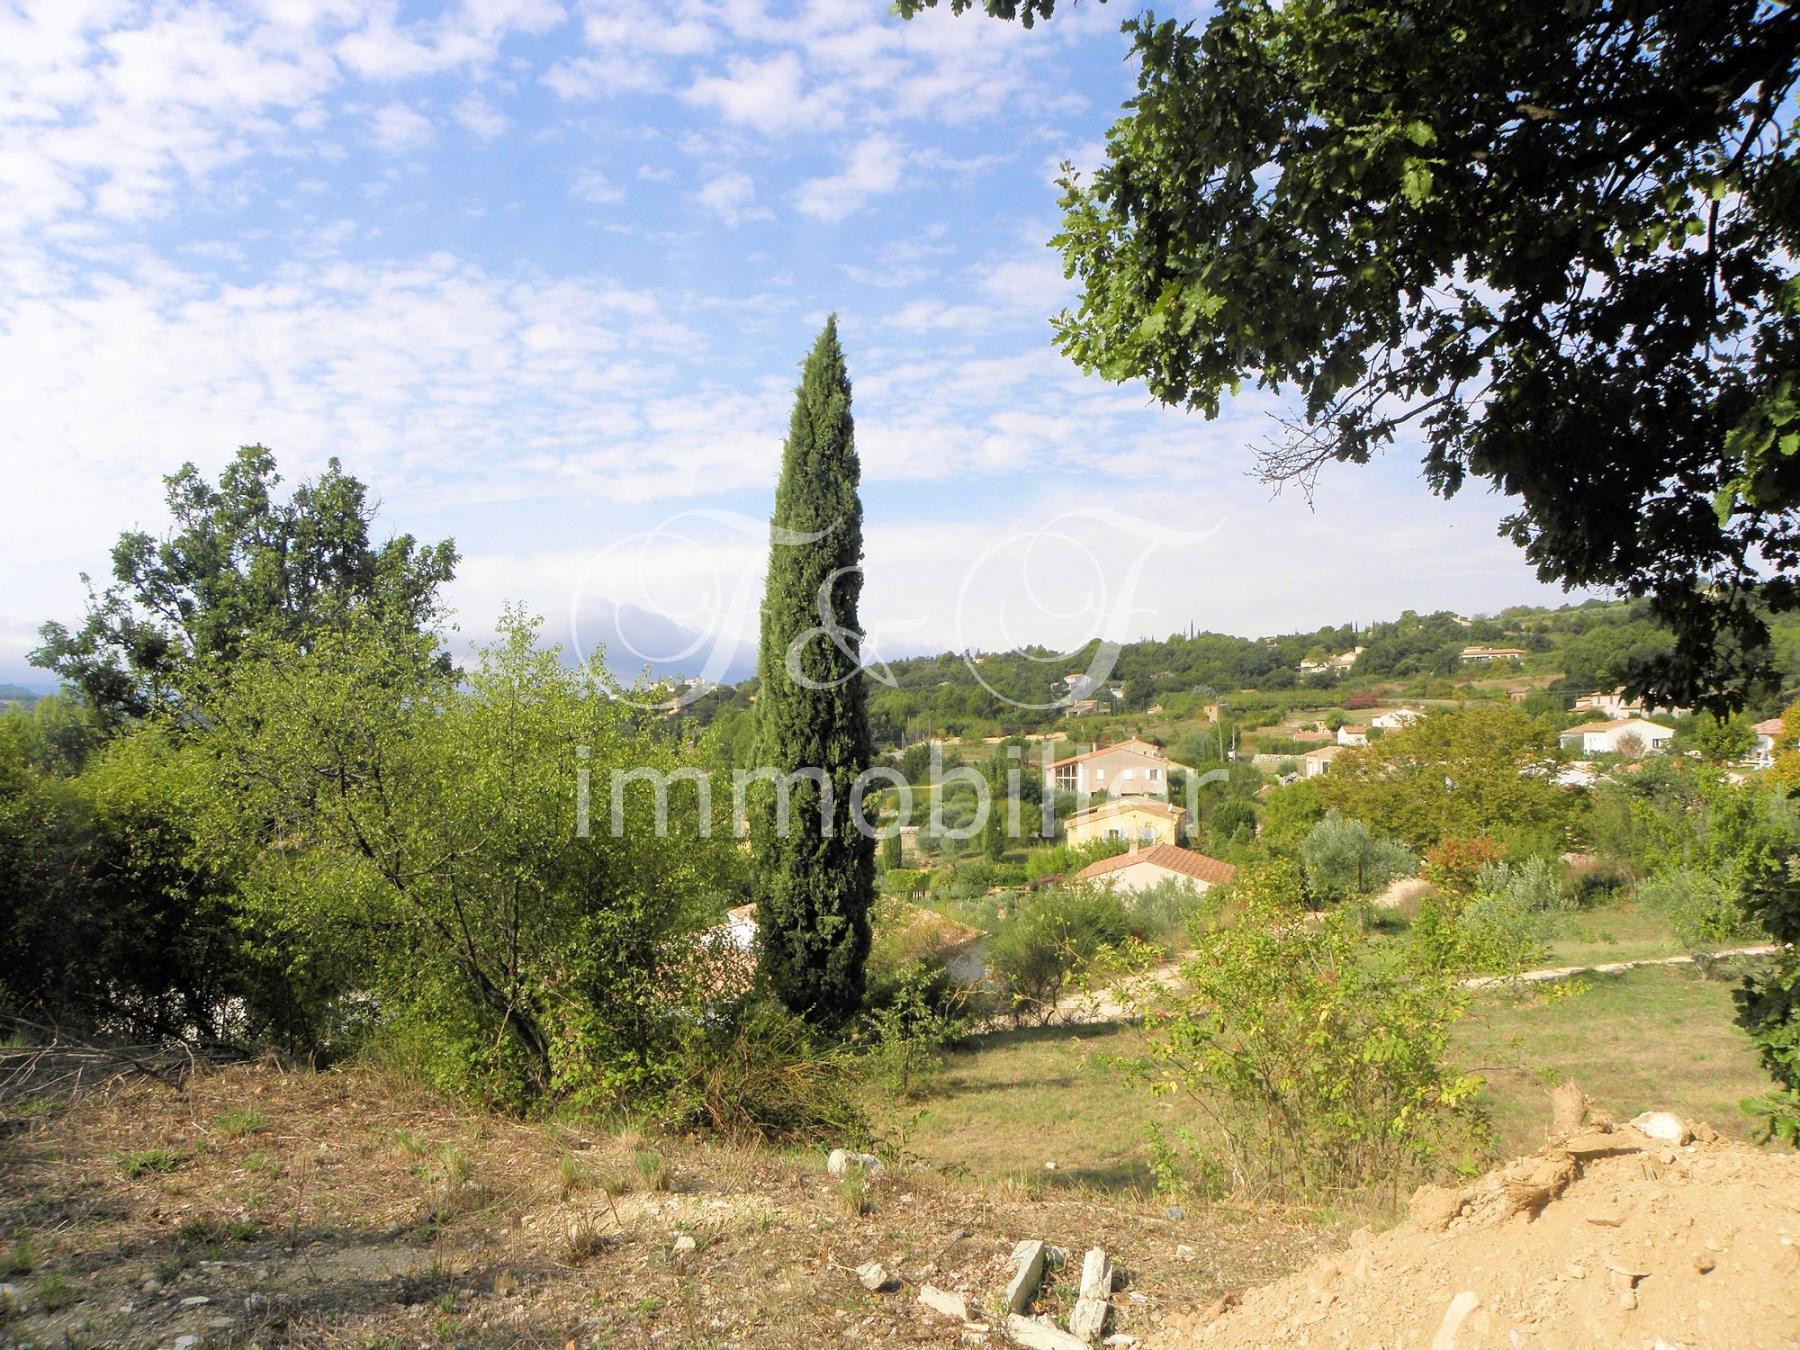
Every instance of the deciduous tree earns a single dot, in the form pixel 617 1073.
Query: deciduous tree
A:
pixel 1550 243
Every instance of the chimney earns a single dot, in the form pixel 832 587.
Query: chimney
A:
pixel 1134 845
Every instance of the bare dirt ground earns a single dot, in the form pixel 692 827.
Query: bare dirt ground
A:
pixel 1608 1237
pixel 261 1207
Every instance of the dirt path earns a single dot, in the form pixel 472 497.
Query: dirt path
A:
pixel 1551 973
pixel 1115 1004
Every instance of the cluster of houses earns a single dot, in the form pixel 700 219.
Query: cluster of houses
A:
pixel 1134 775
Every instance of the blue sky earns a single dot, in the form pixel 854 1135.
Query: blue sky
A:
pixel 541 272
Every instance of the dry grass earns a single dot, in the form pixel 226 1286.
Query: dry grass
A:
pixel 364 1213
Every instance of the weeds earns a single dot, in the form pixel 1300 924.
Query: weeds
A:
pixel 218 1231
pixel 56 1293
pixel 576 1176
pixel 148 1160
pixel 241 1122
pixel 21 1260
pixel 586 1239
pixel 652 1171
pixel 855 1193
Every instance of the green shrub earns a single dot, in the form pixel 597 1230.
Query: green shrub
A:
pixel 1162 914
pixel 1048 940
pixel 918 1010
pixel 755 1071
pixel 1534 884
pixel 1324 1070
pixel 1702 908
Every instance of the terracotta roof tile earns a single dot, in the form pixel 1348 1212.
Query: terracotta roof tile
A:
pixel 1168 857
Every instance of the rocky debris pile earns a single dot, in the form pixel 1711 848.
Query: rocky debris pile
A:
pixel 1650 1233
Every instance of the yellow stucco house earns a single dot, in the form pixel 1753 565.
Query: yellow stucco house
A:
pixel 1141 820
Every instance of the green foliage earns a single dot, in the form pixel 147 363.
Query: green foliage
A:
pixel 240 564
pixel 1065 860
pixel 1325 1070
pixel 1703 908
pixel 1466 771
pixel 424 833
pixel 757 1071
pixel 1046 942
pixel 920 1011
pixel 147 1161
pixel 1415 220
pixel 814 878
pixel 1769 1001
pixel 1341 860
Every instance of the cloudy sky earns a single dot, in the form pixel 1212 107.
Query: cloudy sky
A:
pixel 541 272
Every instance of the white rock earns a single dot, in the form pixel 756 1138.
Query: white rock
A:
pixel 874 1276
pixel 1023 1287
pixel 1663 1125
pixel 1088 1319
pixel 1036 1335
pixel 1454 1316
pixel 1119 1338
pixel 186 1342
pixel 842 1160
pixel 685 1243
pixel 197 1301
pixel 945 1302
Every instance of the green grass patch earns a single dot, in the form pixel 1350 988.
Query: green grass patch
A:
pixel 145 1161
pixel 55 1293
pixel 1658 1038
pixel 240 1122
pixel 19 1259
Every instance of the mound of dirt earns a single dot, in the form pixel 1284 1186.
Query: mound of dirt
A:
pixel 1642 1235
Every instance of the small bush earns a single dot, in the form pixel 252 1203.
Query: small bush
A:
pixel 757 1071
pixel 1046 942
pixel 1701 907
pixel 919 1012
pixel 1161 914
pixel 1325 1071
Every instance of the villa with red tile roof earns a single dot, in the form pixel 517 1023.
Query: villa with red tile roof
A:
pixel 1143 868
pixel 1131 768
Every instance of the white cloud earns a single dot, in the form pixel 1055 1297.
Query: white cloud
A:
pixel 470 35
pixel 594 187
pixel 398 127
pixel 731 197
pixel 769 96
pixel 872 170
pixel 480 117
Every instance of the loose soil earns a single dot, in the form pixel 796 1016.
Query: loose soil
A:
pixel 260 1207
pixel 1607 1237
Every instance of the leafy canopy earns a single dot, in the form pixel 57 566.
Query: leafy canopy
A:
pixel 239 563
pixel 1551 241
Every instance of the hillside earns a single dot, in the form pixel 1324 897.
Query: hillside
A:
pixel 1571 650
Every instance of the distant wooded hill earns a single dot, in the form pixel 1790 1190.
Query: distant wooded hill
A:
pixel 1576 648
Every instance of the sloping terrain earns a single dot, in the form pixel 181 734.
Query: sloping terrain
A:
pixel 256 1207
pixel 1607 1237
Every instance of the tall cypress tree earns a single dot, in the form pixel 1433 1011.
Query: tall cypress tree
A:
pixel 816 877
